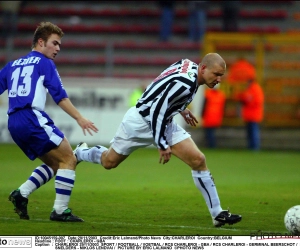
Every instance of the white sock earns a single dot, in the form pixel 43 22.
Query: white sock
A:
pixel 91 155
pixel 41 175
pixel 64 183
pixel 204 182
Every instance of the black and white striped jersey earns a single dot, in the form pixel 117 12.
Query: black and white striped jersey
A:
pixel 168 94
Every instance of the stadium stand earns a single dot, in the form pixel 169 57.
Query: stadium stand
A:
pixel 96 39
pixel 120 39
pixel 72 11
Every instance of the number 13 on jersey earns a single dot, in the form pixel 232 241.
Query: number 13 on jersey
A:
pixel 19 87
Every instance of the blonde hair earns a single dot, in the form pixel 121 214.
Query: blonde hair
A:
pixel 44 31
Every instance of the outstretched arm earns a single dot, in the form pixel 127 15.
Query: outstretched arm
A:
pixel 84 123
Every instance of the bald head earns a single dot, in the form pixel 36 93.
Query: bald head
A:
pixel 211 59
pixel 211 70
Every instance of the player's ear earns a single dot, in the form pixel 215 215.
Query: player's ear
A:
pixel 203 67
pixel 40 42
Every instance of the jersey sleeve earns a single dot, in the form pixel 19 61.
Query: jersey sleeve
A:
pixel 53 82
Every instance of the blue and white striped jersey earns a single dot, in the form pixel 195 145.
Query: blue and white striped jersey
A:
pixel 28 79
pixel 170 93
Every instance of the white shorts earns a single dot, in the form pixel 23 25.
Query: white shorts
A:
pixel 134 133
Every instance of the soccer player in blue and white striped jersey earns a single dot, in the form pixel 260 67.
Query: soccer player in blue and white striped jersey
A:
pixel 151 122
pixel 27 80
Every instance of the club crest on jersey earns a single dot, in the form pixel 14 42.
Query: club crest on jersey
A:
pixel 190 74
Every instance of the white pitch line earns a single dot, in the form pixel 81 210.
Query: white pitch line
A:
pixel 143 225
pixel 169 226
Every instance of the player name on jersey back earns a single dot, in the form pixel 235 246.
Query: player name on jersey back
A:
pixel 24 61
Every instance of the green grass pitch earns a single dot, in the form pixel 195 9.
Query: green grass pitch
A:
pixel 143 197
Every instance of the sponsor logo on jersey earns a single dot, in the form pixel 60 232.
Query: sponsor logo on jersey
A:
pixel 185 66
pixel 165 74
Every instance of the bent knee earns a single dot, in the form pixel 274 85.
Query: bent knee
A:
pixel 69 162
pixel 109 165
pixel 111 159
pixel 199 162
